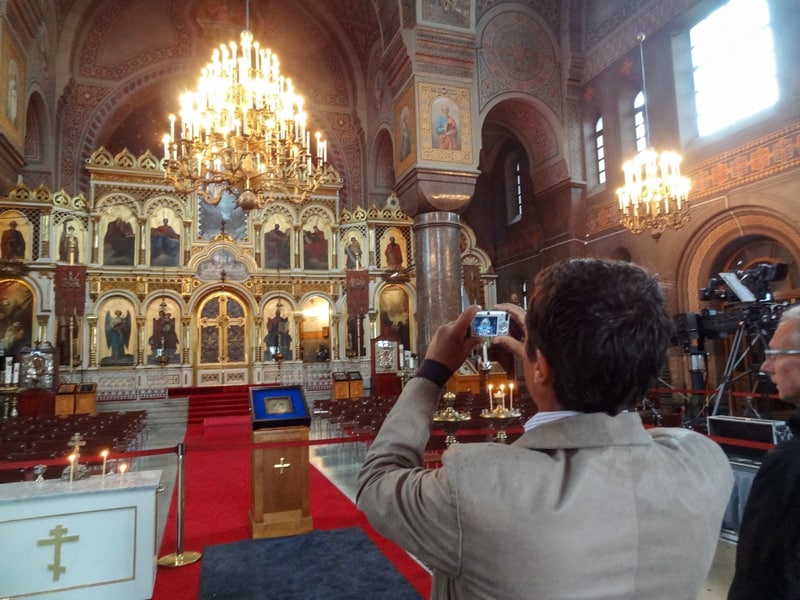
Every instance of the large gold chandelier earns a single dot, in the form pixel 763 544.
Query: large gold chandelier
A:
pixel 243 131
pixel 655 196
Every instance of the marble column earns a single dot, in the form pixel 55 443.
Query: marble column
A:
pixel 437 241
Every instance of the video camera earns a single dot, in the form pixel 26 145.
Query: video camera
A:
pixel 749 304
pixel 751 285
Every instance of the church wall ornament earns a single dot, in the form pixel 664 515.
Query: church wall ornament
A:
pixel 445 126
pixel 453 13
pixel 405 131
pixel 517 54
pixel 12 88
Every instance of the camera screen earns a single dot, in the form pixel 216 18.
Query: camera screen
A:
pixel 485 325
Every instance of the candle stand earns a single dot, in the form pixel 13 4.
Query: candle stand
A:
pixel 500 418
pixel 450 419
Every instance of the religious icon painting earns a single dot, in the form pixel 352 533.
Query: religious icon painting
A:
pixel 12 87
pixel 279 319
pixel 165 241
pixel 119 236
pixel 353 250
pixel 163 331
pixel 277 243
pixel 445 123
pixel 221 218
pixel 16 316
pixel 316 234
pixel 15 236
pixel 71 238
pixel 117 333
pixel 393 250
pixel 405 131
pixel 394 314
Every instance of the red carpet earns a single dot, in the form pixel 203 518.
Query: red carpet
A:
pixel 217 500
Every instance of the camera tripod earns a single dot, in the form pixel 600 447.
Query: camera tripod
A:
pixel 739 351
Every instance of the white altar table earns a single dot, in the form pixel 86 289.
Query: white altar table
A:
pixel 89 539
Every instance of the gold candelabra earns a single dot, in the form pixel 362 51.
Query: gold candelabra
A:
pixel 450 419
pixel 498 414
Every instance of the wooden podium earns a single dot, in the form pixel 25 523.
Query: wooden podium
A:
pixel 279 500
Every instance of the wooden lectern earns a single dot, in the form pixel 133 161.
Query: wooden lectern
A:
pixel 280 504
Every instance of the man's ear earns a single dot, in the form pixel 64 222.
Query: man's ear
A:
pixel 544 372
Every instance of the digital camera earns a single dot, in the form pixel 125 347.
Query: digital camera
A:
pixel 489 323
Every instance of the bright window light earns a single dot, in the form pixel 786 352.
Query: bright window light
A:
pixel 733 59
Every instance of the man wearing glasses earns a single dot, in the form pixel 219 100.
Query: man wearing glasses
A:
pixel 768 550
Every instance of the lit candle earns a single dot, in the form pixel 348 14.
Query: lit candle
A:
pixel 500 400
pixel 122 468
pixel 510 396
pixel 71 467
pixel 104 454
pixel 491 406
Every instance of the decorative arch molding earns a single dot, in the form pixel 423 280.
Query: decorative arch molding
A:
pixel 233 289
pixel 92 109
pixel 539 132
pixel 707 243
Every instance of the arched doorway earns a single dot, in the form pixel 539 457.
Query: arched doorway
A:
pixel 223 330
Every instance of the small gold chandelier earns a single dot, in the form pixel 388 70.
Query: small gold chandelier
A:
pixel 243 131
pixel 655 195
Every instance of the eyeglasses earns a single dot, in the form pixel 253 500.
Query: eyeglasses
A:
pixel 769 353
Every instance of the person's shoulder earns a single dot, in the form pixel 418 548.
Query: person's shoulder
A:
pixel 688 440
pixel 786 453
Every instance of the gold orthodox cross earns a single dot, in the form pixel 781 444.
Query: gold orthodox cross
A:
pixel 76 442
pixel 282 465
pixel 58 538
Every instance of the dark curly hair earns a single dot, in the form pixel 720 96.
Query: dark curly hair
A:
pixel 604 329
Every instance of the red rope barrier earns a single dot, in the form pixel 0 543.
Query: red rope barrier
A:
pixel 64 461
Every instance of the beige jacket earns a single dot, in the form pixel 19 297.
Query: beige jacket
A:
pixel 591 506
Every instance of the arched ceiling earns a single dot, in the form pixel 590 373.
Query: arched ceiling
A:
pixel 110 48
pixel 131 59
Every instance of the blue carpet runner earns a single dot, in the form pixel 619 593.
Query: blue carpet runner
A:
pixel 340 564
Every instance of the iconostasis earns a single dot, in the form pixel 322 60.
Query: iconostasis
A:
pixel 142 276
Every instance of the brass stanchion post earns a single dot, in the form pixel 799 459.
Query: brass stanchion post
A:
pixel 179 557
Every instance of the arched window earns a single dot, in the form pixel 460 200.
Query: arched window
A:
pixel 600 152
pixel 640 122
pixel 514 175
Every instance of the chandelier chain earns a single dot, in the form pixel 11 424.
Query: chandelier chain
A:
pixel 654 196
